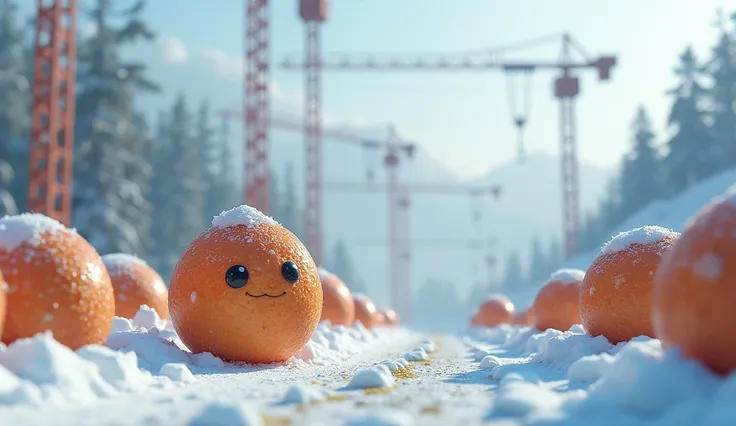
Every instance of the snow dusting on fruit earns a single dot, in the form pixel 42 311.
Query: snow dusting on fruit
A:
pixel 26 228
pixel 567 276
pixel 241 215
pixel 643 236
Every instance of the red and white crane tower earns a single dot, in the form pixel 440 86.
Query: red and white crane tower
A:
pixel 52 110
pixel 566 89
pixel 399 238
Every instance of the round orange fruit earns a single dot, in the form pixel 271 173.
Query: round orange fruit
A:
pixel 694 296
pixel 616 293
pixel 3 304
pixel 557 303
pixel 55 281
pixel 523 318
pixel 474 320
pixel 135 284
pixel 337 302
pixel 496 310
pixel 390 317
pixel 365 310
pixel 246 289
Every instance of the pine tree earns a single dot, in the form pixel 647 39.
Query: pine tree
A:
pixel 160 193
pixel 209 151
pixel 555 255
pixel 641 177
pixel 276 197
pixel 224 193
pixel 15 110
pixel 514 271
pixel 693 154
pixel 290 212
pixel 180 210
pixel 538 265
pixel 341 264
pixel 722 69
pixel 109 207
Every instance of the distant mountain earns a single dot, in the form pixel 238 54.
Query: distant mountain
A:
pixel 530 205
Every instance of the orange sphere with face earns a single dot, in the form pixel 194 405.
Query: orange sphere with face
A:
pixel 496 310
pixel 365 310
pixel 246 289
pixel 694 296
pixel 390 317
pixel 337 302
pixel 557 303
pixel 55 281
pixel 616 293
pixel 135 284
pixel 522 318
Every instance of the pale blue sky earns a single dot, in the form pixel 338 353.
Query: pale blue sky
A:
pixel 462 118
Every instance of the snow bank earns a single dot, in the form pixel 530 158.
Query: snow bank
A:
pixel 644 235
pixel 673 213
pixel 26 228
pixel 570 378
pixel 39 370
pixel 145 353
pixel 241 215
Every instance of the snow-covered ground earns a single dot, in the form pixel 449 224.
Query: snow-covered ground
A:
pixel 354 376
pixel 672 213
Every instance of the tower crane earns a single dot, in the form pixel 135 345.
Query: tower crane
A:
pixel 395 150
pixel 52 110
pixel 399 226
pixel 566 89
pixel 444 243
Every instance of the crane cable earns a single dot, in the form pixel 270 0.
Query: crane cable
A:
pixel 520 113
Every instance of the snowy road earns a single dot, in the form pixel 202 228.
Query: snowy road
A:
pixel 442 390
pixel 499 376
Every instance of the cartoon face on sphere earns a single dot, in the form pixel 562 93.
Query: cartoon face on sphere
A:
pixel 246 289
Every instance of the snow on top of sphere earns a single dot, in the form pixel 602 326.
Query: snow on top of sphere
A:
pixel 643 235
pixel 27 227
pixel 363 297
pixel 241 215
pixel 497 297
pixel 324 273
pixel 119 262
pixel 567 276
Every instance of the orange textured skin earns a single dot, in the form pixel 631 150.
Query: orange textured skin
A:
pixel 60 285
pixel 495 312
pixel 523 318
pixel 474 321
pixel 135 285
pixel 3 303
pixel 211 316
pixel 694 296
pixel 557 306
pixel 390 317
pixel 616 293
pixel 337 305
pixel 365 311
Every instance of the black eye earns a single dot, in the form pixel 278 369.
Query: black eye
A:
pixel 290 271
pixel 236 276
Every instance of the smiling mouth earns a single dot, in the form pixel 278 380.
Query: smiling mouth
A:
pixel 265 295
